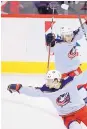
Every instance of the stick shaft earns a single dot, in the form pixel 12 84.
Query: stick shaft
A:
pixel 48 63
pixel 82 26
pixel 67 7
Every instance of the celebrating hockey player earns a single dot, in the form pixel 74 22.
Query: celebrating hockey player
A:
pixel 67 57
pixel 64 95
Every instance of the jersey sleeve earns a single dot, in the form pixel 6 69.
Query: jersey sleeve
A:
pixel 35 91
pixel 67 81
pixel 32 91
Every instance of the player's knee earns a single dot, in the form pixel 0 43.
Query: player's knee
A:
pixel 75 125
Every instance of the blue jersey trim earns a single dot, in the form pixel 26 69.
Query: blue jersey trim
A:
pixel 44 88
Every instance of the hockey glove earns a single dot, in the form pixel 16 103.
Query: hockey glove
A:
pixel 50 39
pixel 14 87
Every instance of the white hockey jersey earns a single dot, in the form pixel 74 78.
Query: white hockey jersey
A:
pixel 66 99
pixel 67 55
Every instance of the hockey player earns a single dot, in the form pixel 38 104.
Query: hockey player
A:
pixel 67 57
pixel 64 95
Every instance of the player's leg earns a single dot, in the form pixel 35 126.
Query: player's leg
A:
pixel 75 125
pixel 71 122
pixel 83 115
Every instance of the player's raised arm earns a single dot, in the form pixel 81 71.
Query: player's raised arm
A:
pixel 29 90
pixel 79 32
pixel 52 84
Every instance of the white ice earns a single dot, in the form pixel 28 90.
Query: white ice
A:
pixel 22 112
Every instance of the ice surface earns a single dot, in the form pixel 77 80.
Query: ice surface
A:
pixel 22 112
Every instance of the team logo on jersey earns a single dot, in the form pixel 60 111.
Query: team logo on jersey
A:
pixel 73 53
pixel 63 99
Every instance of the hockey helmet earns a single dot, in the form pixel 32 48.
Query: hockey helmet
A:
pixel 53 78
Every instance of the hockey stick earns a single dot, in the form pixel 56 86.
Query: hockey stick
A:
pixel 67 7
pixel 53 6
